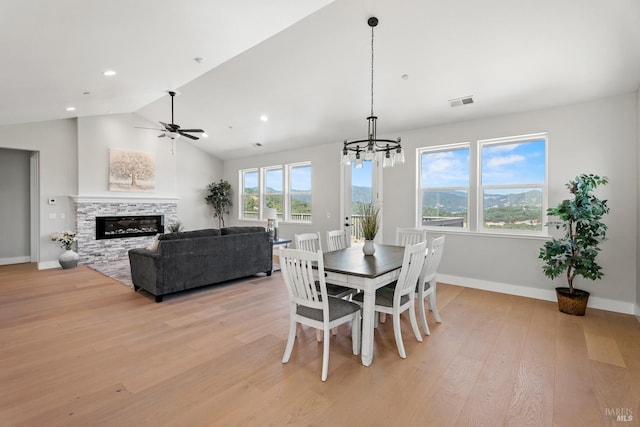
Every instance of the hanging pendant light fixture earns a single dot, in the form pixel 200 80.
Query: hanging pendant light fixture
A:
pixel 366 149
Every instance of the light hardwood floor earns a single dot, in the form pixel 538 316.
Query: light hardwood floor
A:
pixel 80 349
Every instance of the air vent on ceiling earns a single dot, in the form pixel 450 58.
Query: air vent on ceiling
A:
pixel 461 101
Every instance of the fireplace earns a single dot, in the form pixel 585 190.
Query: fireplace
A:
pixel 118 227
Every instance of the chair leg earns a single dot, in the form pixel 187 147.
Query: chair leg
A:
pixel 382 317
pixel 318 335
pixel 325 354
pixel 290 341
pixel 414 323
pixel 432 304
pixel 398 335
pixel 423 316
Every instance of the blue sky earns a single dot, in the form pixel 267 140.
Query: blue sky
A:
pixel 361 177
pixel 300 178
pixel 513 163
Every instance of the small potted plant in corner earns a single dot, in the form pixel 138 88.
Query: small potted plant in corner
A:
pixel 369 227
pixel 219 197
pixel 575 253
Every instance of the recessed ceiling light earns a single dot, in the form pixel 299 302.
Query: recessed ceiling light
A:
pixel 71 108
pixel 257 144
pixel 109 73
pixel 264 118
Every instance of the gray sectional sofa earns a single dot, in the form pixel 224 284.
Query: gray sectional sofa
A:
pixel 190 259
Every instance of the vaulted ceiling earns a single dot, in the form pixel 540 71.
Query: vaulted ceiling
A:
pixel 306 63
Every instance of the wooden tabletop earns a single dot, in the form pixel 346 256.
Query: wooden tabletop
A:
pixel 352 261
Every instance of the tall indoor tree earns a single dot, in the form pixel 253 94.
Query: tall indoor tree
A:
pixel 219 198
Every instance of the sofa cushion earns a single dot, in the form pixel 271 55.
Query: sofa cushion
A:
pixel 190 234
pixel 242 230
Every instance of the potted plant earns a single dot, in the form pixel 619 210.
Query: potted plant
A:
pixel 574 254
pixel 369 225
pixel 219 197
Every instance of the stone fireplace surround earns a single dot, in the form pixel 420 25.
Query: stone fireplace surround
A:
pixel 94 251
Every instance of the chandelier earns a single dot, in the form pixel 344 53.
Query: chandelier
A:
pixel 366 149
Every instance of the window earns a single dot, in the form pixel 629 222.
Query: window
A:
pixel 273 185
pixel 250 200
pixel 505 192
pixel 513 177
pixel 444 186
pixel 300 192
pixel 269 187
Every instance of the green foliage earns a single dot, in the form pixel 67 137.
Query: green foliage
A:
pixel 581 218
pixel 370 221
pixel 175 227
pixel 219 197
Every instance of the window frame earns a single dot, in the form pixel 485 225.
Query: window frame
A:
pixel 519 139
pixel 290 193
pixel 285 215
pixel 420 195
pixel 241 211
pixel 475 195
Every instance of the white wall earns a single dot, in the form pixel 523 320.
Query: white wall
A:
pixel 592 137
pixel 56 142
pixel 74 160
pixel 183 171
pixel 325 183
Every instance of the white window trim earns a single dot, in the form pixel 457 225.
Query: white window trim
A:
pixel 262 192
pixel 474 192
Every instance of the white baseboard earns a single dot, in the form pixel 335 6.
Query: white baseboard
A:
pixel 48 264
pixel 542 294
pixel 14 260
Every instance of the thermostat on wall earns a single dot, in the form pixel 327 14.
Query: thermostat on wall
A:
pixel 51 201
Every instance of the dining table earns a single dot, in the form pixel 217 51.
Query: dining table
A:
pixel 350 267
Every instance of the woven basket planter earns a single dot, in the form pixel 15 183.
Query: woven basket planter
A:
pixel 572 303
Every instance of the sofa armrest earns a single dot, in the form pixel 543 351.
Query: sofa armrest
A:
pixel 145 270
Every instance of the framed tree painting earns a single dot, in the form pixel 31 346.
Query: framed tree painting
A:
pixel 131 171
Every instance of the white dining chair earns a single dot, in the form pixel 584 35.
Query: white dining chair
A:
pixel 427 281
pixel 309 242
pixel 309 303
pixel 395 300
pixel 336 239
pixel 410 236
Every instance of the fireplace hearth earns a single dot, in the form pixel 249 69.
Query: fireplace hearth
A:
pixel 119 227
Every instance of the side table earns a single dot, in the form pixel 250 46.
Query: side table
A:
pixel 279 242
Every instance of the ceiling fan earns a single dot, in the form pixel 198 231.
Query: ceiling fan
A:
pixel 172 130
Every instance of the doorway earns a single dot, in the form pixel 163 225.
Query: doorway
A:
pixel 361 186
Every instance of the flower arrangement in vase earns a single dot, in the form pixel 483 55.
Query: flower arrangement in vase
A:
pixel 69 258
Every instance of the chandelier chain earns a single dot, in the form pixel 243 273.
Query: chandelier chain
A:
pixel 372 71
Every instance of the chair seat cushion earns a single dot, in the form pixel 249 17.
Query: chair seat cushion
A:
pixel 384 296
pixel 338 308
pixel 336 290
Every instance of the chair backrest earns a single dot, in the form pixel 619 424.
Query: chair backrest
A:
pixel 297 268
pixel 411 268
pixel 432 260
pixel 336 239
pixel 410 236
pixel 309 242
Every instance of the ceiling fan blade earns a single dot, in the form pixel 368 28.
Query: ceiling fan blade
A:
pixel 192 130
pixel 162 135
pixel 140 127
pixel 187 135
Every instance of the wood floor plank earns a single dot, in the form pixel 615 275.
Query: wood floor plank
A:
pixel 79 349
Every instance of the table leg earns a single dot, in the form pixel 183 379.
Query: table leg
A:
pixel 368 315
